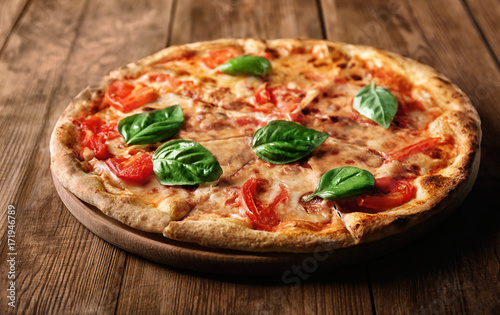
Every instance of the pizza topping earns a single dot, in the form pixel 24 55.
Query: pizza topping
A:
pixel 405 152
pixel 377 104
pixel 151 127
pixel 282 141
pixel 343 183
pixel 138 168
pixel 246 65
pixel 183 162
pixel 388 193
pixel 262 96
pixel 215 58
pixel 286 99
pixel 263 215
pixel 93 135
pixel 126 97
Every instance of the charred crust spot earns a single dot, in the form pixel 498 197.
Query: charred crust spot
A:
pixel 298 50
pixel 273 52
pixel 443 81
pixel 356 77
pixel 435 181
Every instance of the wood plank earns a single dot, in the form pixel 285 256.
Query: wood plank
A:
pixel 486 14
pixel 182 292
pixel 439 273
pixel 63 268
pixel 208 20
pixel 29 76
pixel 10 12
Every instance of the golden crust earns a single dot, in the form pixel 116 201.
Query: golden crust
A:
pixel 437 193
pixel 228 234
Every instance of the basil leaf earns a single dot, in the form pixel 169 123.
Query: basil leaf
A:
pixel 246 65
pixel 183 162
pixel 342 183
pixel 282 141
pixel 376 103
pixel 151 127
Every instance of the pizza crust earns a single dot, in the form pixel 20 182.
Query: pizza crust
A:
pixel 438 193
pixel 229 234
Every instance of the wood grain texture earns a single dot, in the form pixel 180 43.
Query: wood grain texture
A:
pixel 182 292
pixel 10 12
pixel 207 20
pixel 67 268
pixel 486 14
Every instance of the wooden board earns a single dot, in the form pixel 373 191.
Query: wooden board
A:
pixel 198 258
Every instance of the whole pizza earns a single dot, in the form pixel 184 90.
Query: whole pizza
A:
pixel 282 145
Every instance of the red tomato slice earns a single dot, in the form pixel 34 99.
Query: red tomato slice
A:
pixel 138 168
pixel 126 97
pixel 263 216
pixel 94 133
pixel 97 143
pixel 262 96
pixel 405 152
pixel 286 99
pixel 217 57
pixel 391 193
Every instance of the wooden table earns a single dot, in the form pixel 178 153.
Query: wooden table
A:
pixel 50 50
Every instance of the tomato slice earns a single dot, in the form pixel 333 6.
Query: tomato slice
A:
pixel 262 96
pixel 138 168
pixel 94 133
pixel 263 216
pixel 405 152
pixel 126 97
pixel 388 193
pixel 286 99
pixel 217 57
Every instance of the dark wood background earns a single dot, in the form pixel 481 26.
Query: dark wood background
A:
pixel 50 50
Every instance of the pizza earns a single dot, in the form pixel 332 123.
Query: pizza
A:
pixel 286 145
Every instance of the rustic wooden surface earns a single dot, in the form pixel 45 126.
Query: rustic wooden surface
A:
pixel 52 49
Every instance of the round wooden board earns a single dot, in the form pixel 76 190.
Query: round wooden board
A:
pixel 198 258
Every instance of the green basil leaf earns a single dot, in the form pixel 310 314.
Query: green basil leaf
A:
pixel 151 127
pixel 183 162
pixel 342 183
pixel 376 103
pixel 246 65
pixel 282 141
